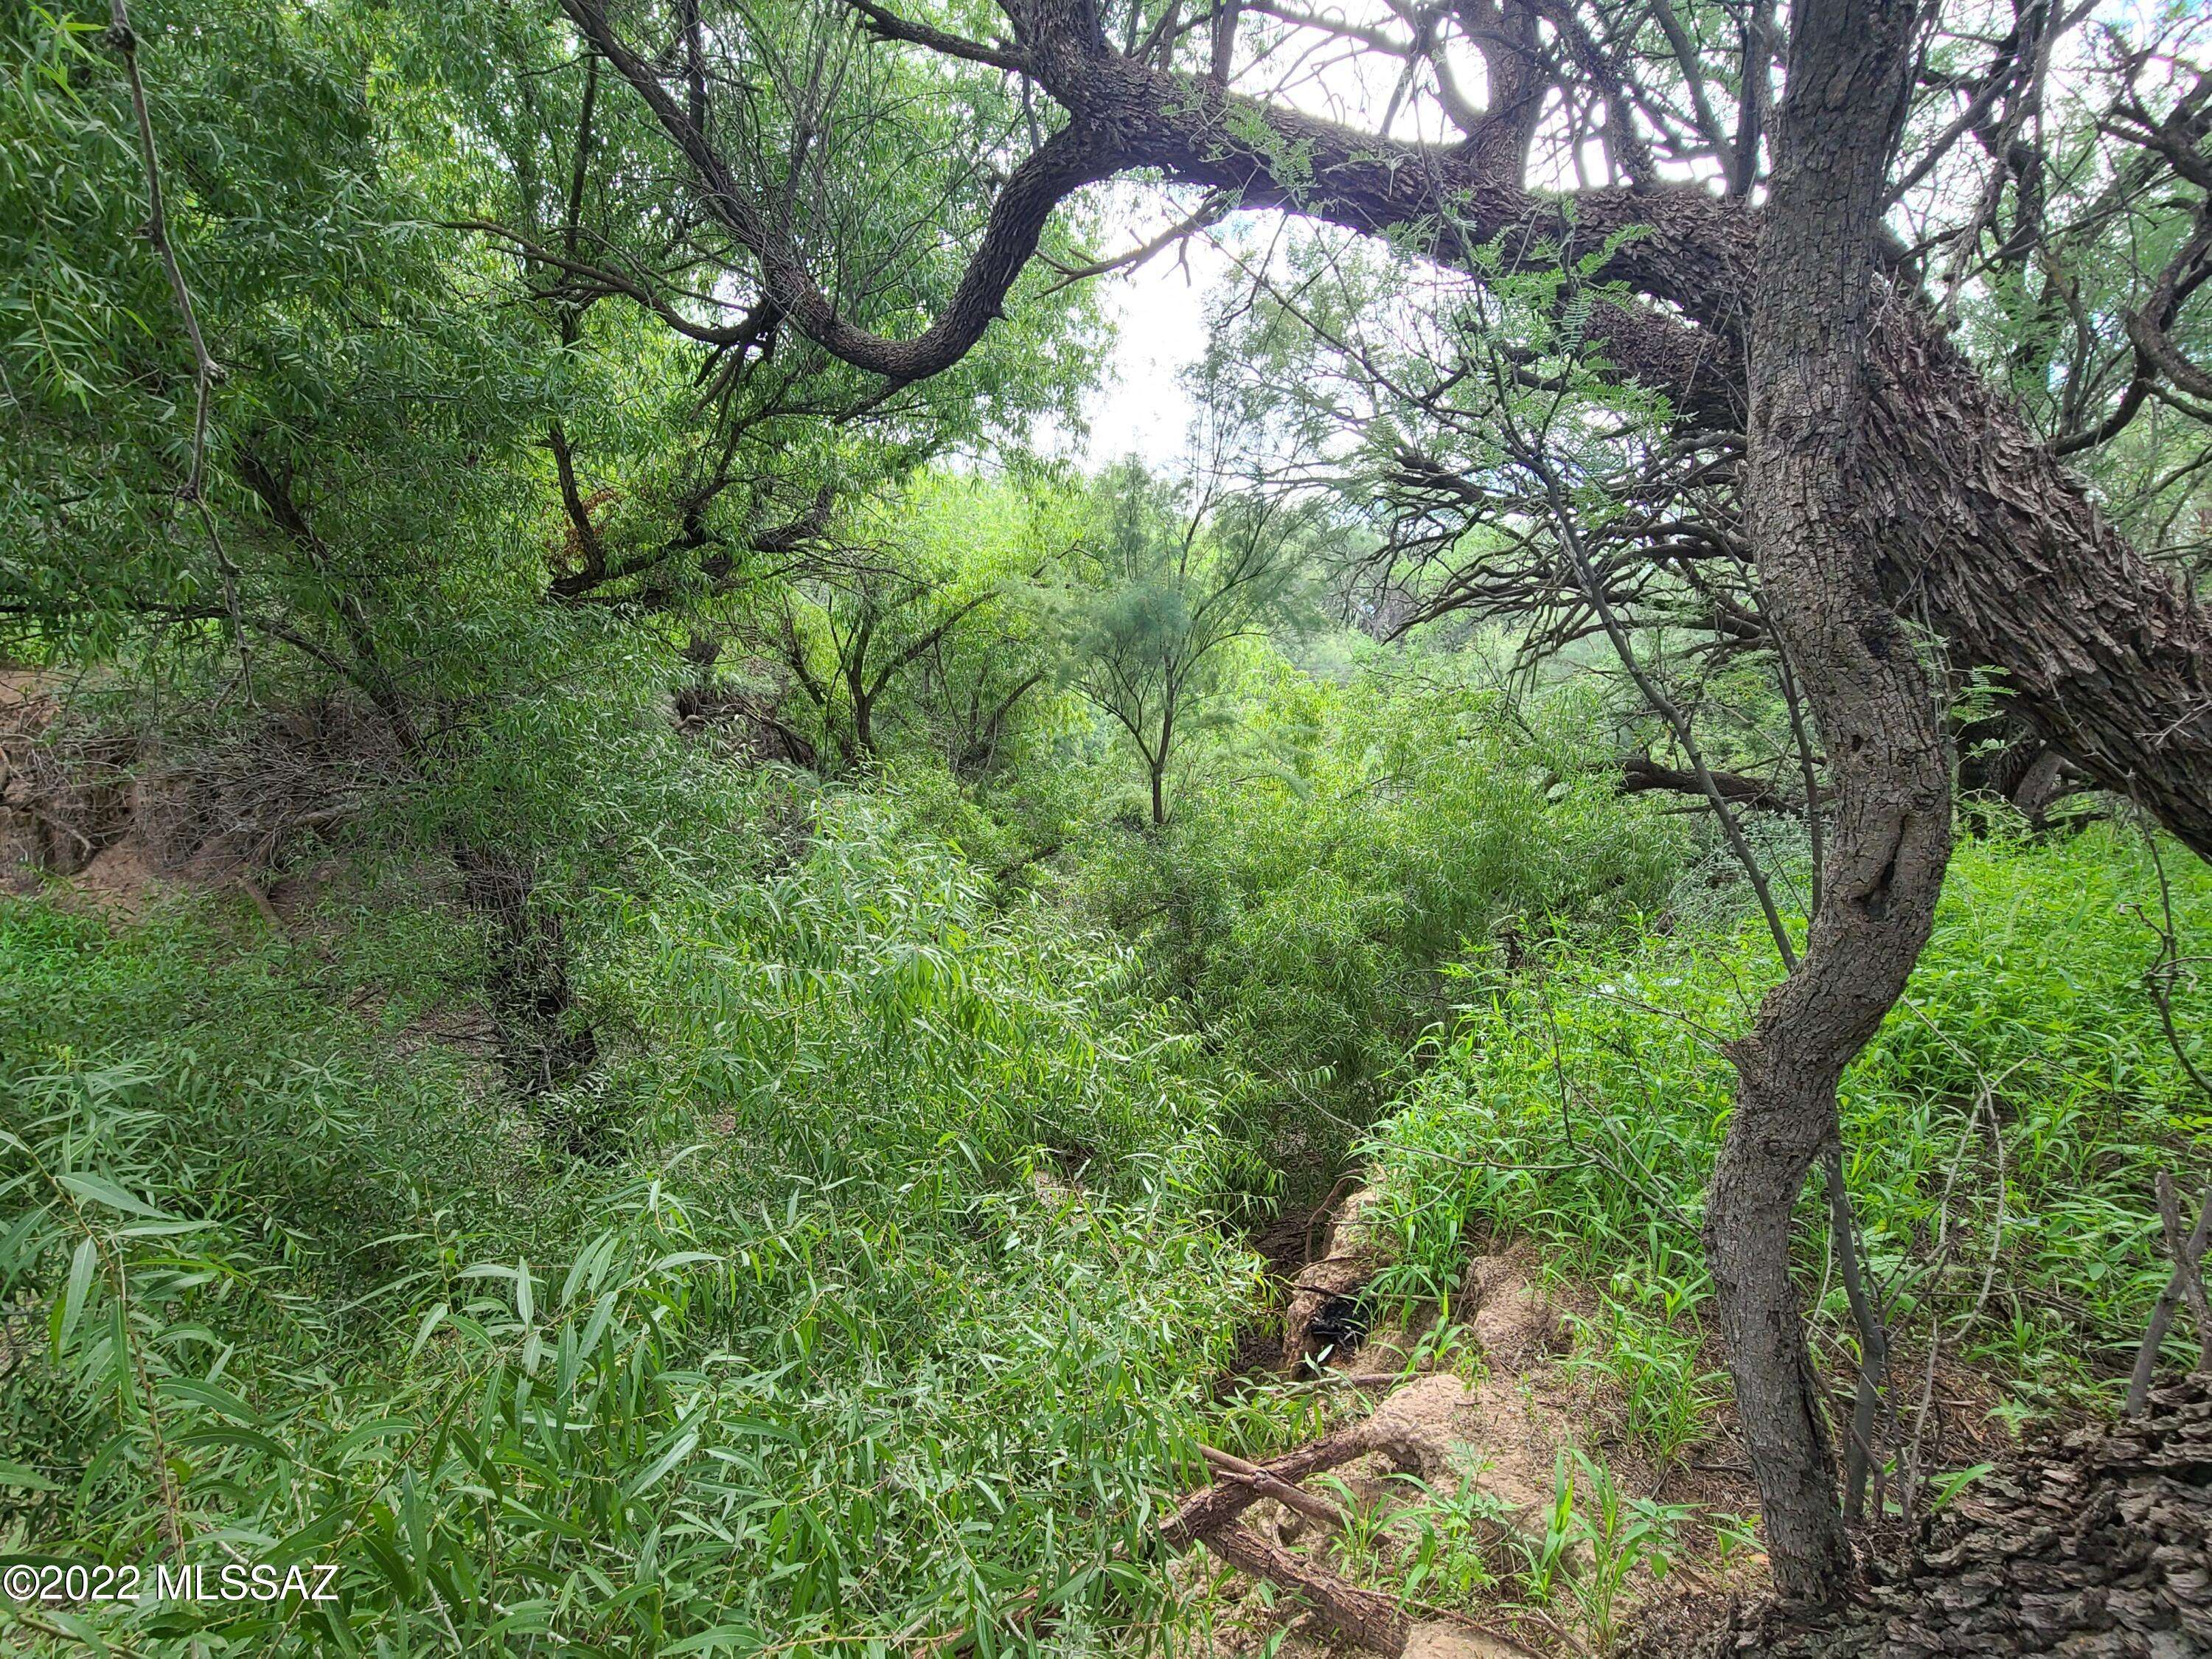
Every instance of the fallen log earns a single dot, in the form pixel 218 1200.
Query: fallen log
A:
pixel 1368 1617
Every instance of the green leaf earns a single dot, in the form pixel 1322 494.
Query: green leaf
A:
pixel 99 1190
pixel 430 1323
pixel 213 1395
pixel 23 1479
pixel 737 1639
pixel 661 1465
pixel 249 1438
pixel 72 1306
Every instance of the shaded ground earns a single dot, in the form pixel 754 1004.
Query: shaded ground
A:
pixel 2096 1547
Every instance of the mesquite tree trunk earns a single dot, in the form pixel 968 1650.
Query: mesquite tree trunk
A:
pixel 1984 533
pixel 1819 570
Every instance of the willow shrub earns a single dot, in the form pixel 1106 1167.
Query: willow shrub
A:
pixel 1581 1102
pixel 895 1316
pixel 1308 905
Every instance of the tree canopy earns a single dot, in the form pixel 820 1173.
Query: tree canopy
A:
pixel 577 514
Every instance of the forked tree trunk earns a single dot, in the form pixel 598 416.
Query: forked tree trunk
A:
pixel 1886 478
pixel 1982 530
pixel 1818 568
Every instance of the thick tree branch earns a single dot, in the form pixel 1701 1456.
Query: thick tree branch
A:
pixel 1640 774
pixel 887 25
pixel 1071 158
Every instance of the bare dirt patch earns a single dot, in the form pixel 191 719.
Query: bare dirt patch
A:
pixel 1469 1436
pixel 118 810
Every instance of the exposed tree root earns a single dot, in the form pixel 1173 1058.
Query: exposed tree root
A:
pixel 1368 1617
pixel 1374 1620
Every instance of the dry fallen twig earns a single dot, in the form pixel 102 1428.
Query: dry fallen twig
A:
pixel 2185 1281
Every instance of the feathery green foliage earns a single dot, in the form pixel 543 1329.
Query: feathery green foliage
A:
pixel 2001 1131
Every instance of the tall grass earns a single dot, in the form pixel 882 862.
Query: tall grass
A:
pixel 2002 1130
pixel 893 1319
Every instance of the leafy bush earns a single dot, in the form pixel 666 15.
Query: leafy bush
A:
pixel 901 1306
pixel 1390 827
pixel 2005 1124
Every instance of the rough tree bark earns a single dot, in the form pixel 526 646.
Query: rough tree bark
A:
pixel 1640 774
pixel 1816 555
pixel 1887 479
pixel 1985 535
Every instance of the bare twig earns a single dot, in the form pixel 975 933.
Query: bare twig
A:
pixel 1312 1505
pixel 1873 1335
pixel 207 374
pixel 2186 1255
pixel 2163 973
pixel 2187 1267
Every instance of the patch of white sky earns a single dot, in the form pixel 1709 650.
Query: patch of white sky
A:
pixel 1141 406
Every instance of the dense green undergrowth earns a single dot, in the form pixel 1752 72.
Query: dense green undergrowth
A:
pixel 1307 908
pixel 888 1294
pixel 896 1304
pixel 2001 1134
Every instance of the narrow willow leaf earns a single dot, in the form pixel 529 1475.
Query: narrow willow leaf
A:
pixel 72 1306
pixel 100 1190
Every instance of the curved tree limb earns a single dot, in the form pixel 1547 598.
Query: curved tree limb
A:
pixel 1068 159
